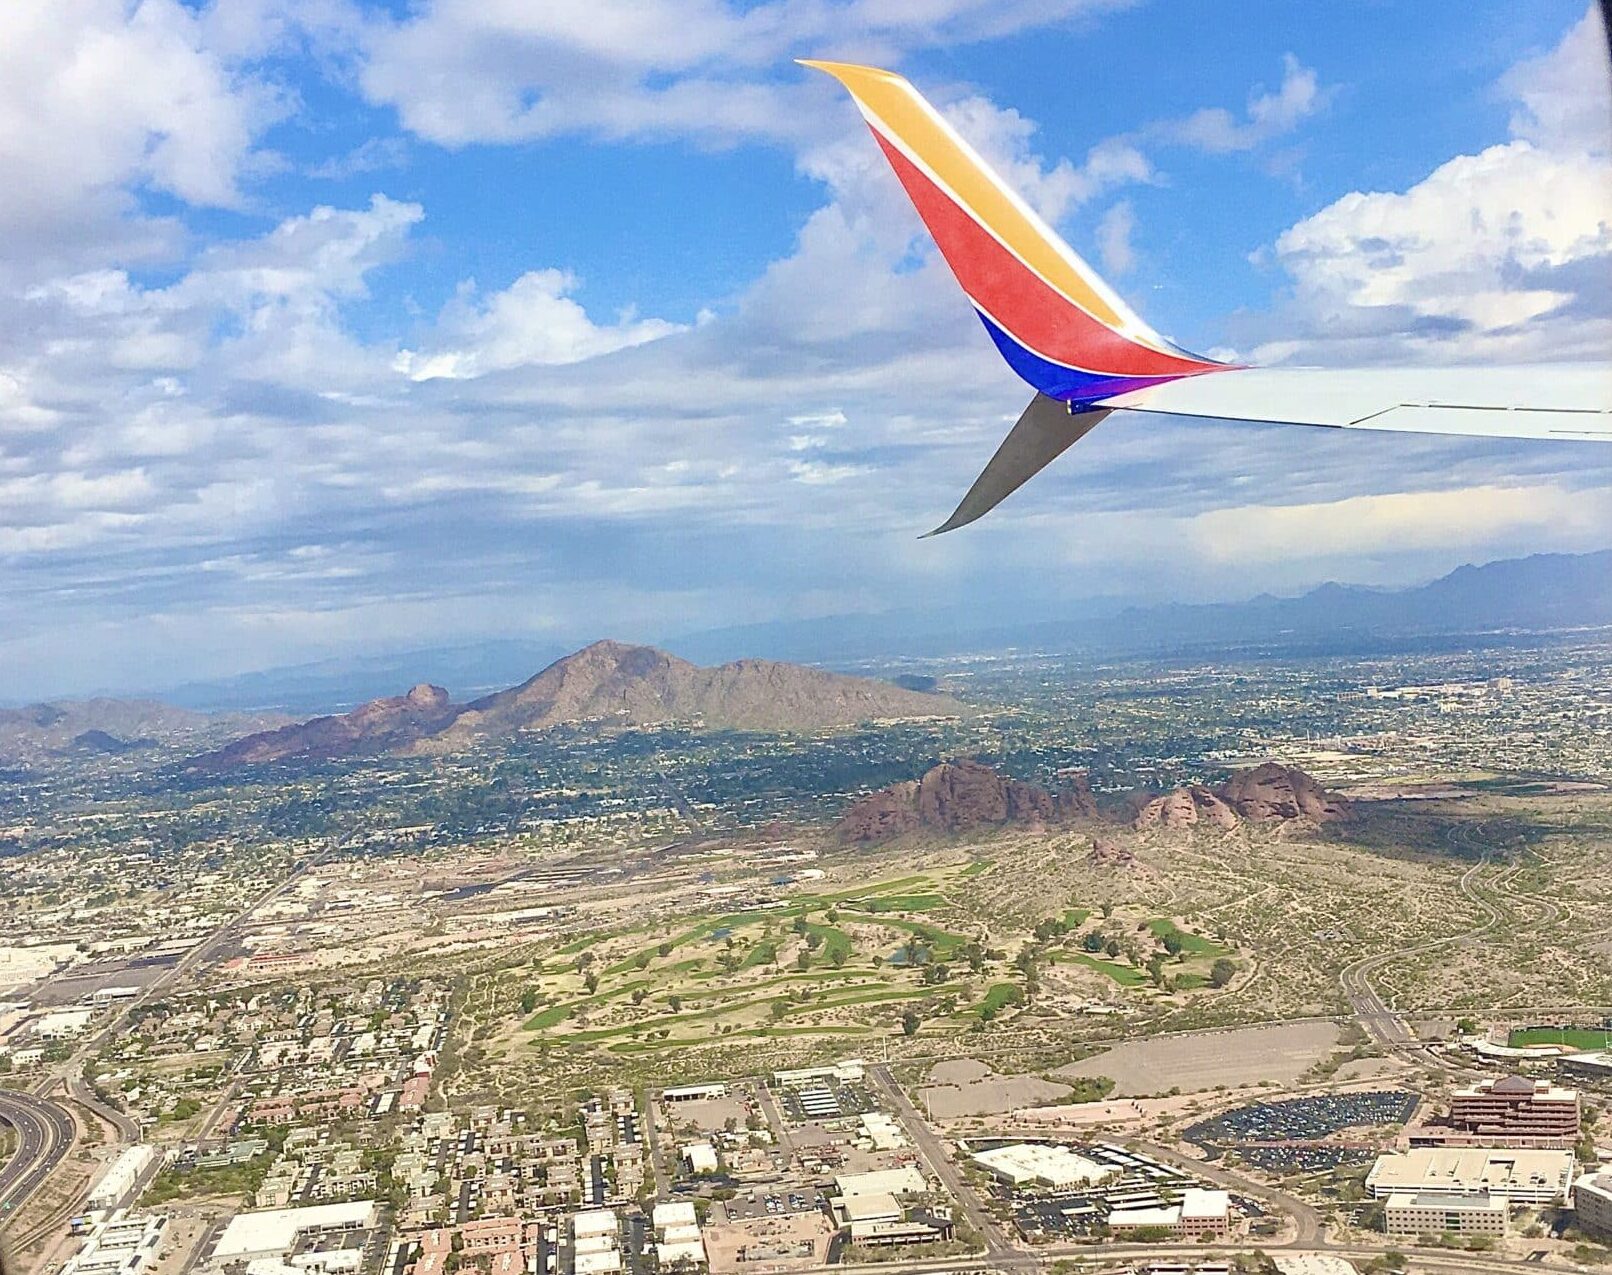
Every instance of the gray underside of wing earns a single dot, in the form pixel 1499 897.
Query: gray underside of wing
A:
pixel 1043 433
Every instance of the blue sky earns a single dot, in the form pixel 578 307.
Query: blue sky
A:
pixel 328 327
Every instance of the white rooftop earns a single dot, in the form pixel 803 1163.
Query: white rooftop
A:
pixel 273 1230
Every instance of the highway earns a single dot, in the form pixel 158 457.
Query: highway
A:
pixel 45 1134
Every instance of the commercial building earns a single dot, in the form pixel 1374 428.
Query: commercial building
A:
pixel 1478 1214
pixel 274 1233
pixel 905 1181
pixel 1200 1215
pixel 1592 1201
pixel 123 1243
pixel 700 1157
pixel 1524 1177
pixel 1517 1107
pixel 694 1093
pixel 121 1177
pixel 1031 1163
pixel 595 1242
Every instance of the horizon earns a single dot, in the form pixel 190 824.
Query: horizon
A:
pixel 320 358
pixel 968 642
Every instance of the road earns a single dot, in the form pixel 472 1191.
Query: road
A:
pixel 1383 1024
pixel 45 1134
pixel 997 1245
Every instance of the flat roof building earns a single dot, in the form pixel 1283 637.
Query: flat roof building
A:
pixel 1407 1214
pixel 1516 1107
pixel 273 1232
pixel 694 1093
pixel 1592 1201
pixel 906 1181
pixel 1525 1177
pixel 1027 1163
pixel 1200 1215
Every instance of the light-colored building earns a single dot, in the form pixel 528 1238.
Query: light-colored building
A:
pixel 1027 1163
pixel 1524 1177
pixel 898 1182
pixel 1407 1214
pixel 694 1093
pixel 1596 1065
pixel 123 1243
pixel 121 1176
pixel 1200 1215
pixel 273 1232
pixel 861 1211
pixel 700 1157
pixel 1592 1201
pixel 674 1213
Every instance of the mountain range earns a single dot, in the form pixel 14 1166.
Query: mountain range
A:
pixel 606 684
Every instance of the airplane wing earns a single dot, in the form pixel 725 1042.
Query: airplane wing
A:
pixel 1072 338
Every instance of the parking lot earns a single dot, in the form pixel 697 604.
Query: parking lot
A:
pixel 1297 1134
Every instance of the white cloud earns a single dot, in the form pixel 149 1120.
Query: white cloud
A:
pixel 1506 254
pixel 1268 115
pixel 461 71
pixel 1549 515
pixel 1114 238
pixel 1564 96
pixel 99 96
pixel 533 322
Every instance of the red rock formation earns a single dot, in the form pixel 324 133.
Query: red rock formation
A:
pixel 1186 808
pixel 379 726
pixel 959 796
pixel 1273 792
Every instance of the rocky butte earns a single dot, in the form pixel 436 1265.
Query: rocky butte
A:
pixel 1268 793
pixel 959 796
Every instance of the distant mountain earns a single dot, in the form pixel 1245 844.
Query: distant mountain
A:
pixel 617 684
pixel 39 732
pixel 329 685
pixel 607 683
pixel 1535 594
pixel 381 726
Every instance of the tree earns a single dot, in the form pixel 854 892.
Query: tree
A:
pixel 803 960
pixel 664 948
pixel 528 1000
pixel 591 982
pixel 1172 942
pixel 1092 942
pixel 1222 972
pixel 675 1002
pixel 1112 947
pixel 837 957
pixel 910 1023
pixel 638 995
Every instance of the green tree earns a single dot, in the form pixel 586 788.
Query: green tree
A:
pixel 1222 972
pixel 910 1022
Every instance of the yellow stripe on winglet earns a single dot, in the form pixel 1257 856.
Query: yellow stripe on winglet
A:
pixel 897 107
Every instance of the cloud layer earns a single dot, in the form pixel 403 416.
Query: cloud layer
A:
pixel 226 440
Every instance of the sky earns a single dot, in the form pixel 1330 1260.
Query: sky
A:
pixel 330 327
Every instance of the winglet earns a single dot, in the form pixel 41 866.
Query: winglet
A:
pixel 1052 317
pixel 1044 431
